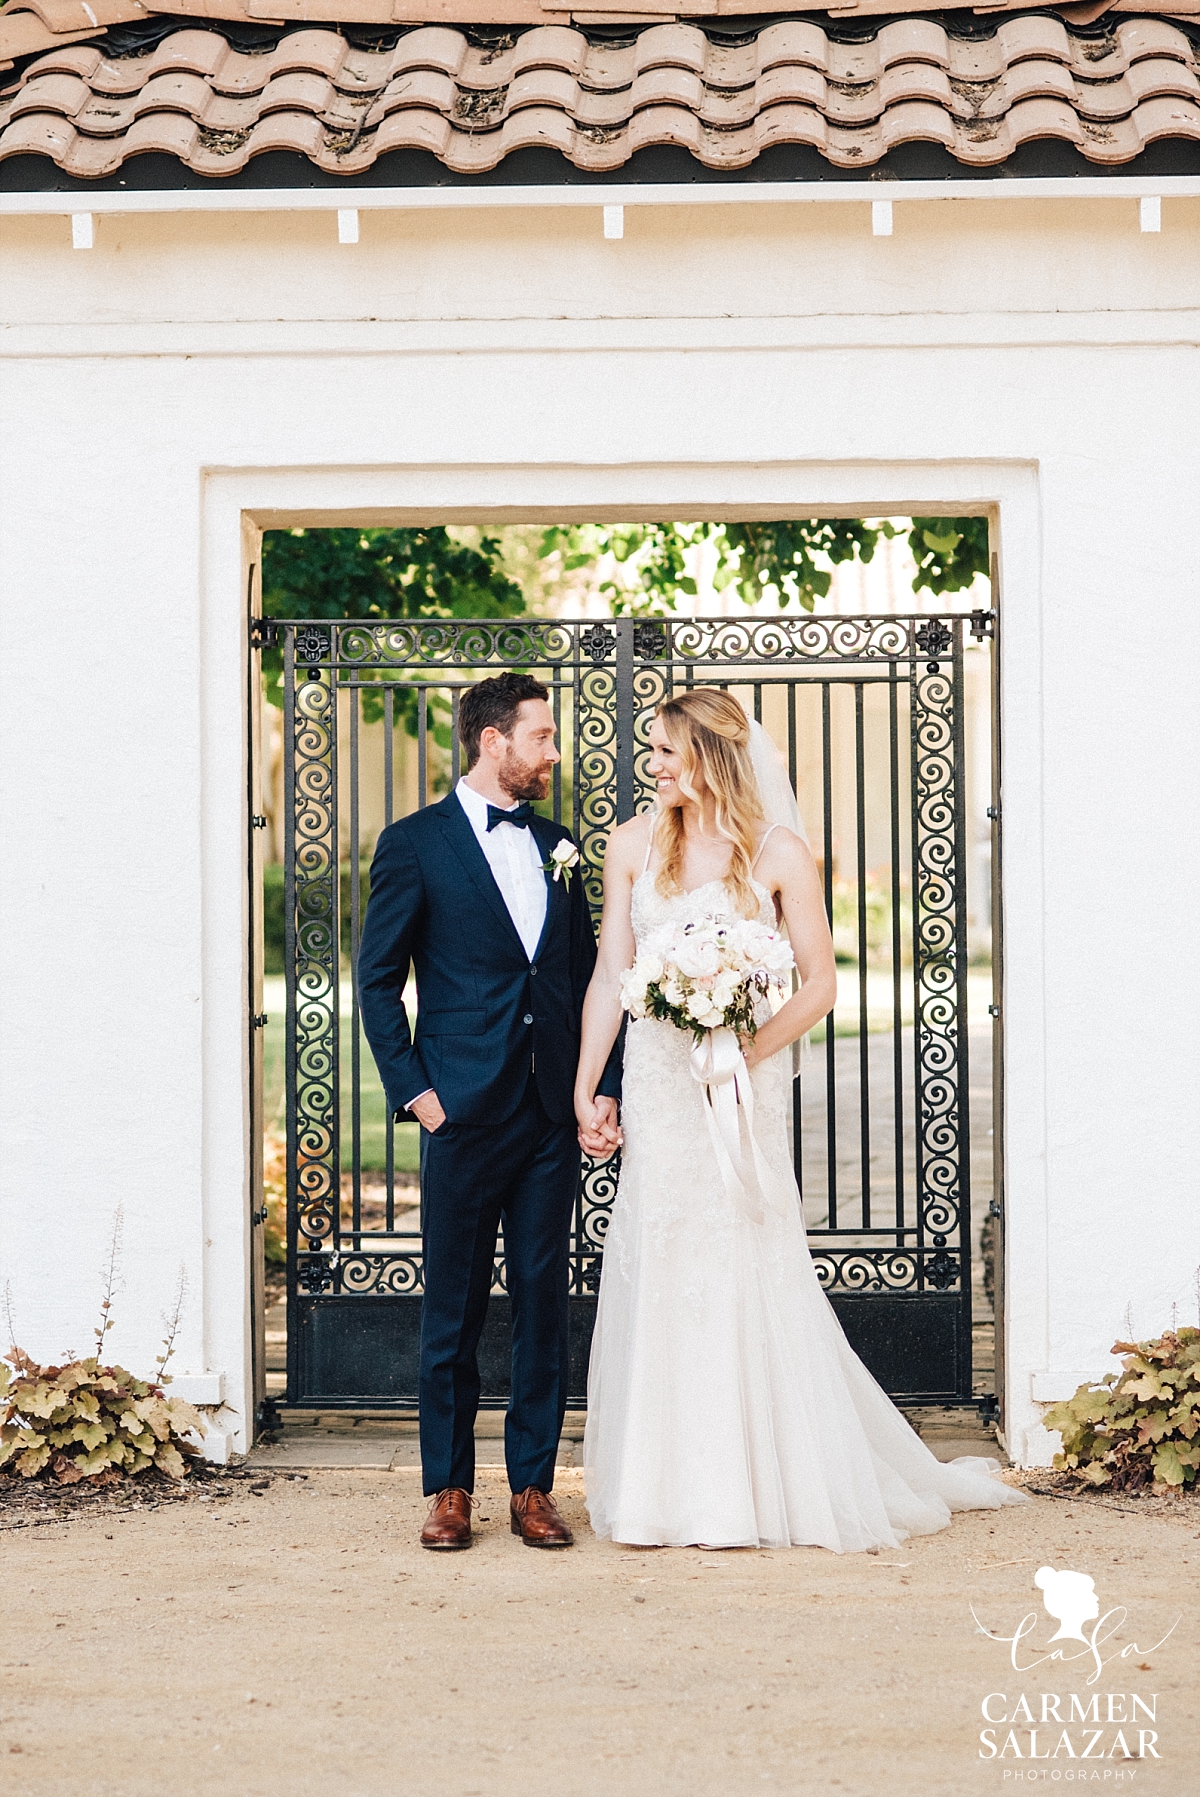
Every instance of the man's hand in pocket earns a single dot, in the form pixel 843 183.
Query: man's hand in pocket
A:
pixel 428 1111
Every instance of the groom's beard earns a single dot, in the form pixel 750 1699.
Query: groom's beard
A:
pixel 523 779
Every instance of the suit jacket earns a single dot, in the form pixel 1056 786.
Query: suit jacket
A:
pixel 485 1010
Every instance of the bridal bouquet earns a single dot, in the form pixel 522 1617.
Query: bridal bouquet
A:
pixel 707 975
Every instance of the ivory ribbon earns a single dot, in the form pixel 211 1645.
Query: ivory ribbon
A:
pixel 718 1064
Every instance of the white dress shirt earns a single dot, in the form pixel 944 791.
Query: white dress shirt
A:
pixel 516 864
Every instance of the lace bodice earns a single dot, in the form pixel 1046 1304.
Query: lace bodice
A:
pixel 649 910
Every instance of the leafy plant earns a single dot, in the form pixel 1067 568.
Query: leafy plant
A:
pixel 777 557
pixel 878 907
pixel 87 1420
pixel 1139 1428
pixel 949 552
pixel 274 891
pixel 400 573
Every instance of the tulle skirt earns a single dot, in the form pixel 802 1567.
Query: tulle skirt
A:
pixel 725 1405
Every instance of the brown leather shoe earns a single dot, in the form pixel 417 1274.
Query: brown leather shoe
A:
pixel 536 1520
pixel 449 1522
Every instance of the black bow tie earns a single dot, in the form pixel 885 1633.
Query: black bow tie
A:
pixel 521 816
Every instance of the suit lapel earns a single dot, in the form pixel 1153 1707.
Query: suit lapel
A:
pixel 465 844
pixel 545 835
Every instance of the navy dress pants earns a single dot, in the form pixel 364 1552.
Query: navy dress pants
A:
pixel 523 1172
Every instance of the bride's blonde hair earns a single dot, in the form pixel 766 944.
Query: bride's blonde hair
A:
pixel 711 734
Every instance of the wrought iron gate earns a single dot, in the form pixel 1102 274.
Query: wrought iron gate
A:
pixel 880 1114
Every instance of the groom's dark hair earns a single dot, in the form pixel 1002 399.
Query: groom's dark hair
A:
pixel 494 704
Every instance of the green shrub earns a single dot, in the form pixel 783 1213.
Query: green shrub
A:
pixel 878 908
pixel 88 1421
pixel 1142 1427
pixel 275 915
pixel 273 918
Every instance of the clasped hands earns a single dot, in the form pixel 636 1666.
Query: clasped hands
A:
pixel 599 1131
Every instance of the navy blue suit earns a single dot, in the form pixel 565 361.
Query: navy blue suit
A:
pixel 497 1038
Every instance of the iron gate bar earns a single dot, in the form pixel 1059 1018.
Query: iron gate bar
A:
pixel 355 1019
pixel 860 843
pixel 389 1123
pixel 897 967
pixel 797 1104
pixel 911 1299
pixel 830 1029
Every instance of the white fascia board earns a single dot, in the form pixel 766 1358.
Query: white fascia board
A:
pixel 716 193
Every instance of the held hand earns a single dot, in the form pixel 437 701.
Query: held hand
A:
pixel 599 1132
pixel 428 1111
pixel 751 1053
pixel 607 1122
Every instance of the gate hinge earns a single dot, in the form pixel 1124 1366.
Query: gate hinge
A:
pixel 993 1010
pixel 257 821
pixel 993 812
pixel 268 1419
pixel 258 1215
pixel 264 633
pixel 993 1209
pixel 259 1022
pixel 983 625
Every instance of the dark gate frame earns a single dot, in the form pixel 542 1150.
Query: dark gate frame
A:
pixel 902 1289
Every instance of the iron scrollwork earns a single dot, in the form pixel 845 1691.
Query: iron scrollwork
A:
pixel 581 661
pixel 939 955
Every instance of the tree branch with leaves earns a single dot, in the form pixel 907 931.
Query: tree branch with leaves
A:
pixel 778 559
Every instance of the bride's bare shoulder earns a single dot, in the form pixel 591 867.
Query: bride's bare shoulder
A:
pixel 629 841
pixel 784 855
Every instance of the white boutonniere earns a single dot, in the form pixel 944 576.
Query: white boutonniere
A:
pixel 564 859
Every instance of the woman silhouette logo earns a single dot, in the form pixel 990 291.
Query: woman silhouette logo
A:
pixel 1070 1597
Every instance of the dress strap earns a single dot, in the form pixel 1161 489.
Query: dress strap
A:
pixel 650 841
pixel 762 845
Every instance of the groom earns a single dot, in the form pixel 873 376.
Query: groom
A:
pixel 464 892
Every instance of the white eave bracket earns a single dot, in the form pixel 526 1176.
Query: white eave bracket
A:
pixel 611 200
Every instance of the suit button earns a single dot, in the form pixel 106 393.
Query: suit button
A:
pixel 533 970
pixel 528 1018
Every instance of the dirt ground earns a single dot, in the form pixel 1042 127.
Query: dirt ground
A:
pixel 294 1639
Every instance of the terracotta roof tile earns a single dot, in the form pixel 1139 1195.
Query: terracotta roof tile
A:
pixel 64 94
pixel 30 26
pixel 195 96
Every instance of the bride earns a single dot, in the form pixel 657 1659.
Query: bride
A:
pixel 725 1406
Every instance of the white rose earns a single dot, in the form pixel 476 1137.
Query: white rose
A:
pixel 700 1006
pixel 725 990
pixel 698 957
pixel 633 990
pixel 564 859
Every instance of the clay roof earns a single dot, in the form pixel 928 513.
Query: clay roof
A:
pixel 342 101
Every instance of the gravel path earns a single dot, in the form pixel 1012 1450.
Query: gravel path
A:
pixel 293 1639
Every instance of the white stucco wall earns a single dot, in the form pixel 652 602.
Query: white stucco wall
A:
pixel 192 378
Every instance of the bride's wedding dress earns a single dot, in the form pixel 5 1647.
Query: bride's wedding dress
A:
pixel 725 1406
